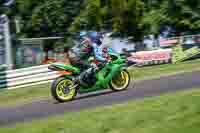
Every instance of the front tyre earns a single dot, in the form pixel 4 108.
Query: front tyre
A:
pixel 62 89
pixel 121 81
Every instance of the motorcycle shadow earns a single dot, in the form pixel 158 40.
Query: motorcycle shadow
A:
pixel 90 95
pixel 94 94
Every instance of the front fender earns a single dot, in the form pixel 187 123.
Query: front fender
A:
pixel 124 67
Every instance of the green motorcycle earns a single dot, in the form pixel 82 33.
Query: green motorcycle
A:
pixel 113 75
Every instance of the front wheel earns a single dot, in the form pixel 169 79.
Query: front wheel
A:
pixel 121 81
pixel 62 89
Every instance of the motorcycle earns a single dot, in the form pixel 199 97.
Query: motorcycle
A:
pixel 113 75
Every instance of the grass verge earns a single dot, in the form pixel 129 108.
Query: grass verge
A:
pixel 40 92
pixel 177 113
pixel 150 72
pixel 24 95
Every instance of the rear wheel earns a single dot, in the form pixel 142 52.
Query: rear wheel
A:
pixel 62 89
pixel 121 81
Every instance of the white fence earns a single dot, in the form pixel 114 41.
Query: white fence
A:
pixel 18 78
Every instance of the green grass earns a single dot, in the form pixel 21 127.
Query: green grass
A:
pixel 177 113
pixel 157 71
pixel 24 95
pixel 29 94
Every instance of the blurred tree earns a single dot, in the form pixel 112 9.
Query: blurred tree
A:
pixel 47 17
pixel 131 17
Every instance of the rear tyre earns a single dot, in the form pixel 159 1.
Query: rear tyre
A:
pixel 121 81
pixel 62 89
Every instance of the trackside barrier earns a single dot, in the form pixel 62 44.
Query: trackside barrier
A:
pixel 191 39
pixel 153 57
pixel 13 79
pixel 174 50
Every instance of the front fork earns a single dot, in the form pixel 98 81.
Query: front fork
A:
pixel 104 81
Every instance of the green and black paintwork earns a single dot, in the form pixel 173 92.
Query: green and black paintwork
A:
pixel 103 77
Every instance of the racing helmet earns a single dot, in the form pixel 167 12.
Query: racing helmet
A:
pixel 95 37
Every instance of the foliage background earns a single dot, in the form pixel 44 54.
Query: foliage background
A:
pixel 135 18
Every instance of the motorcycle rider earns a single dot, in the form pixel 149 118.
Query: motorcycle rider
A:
pixel 80 53
pixel 97 47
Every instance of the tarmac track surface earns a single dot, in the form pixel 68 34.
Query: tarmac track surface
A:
pixel 147 88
